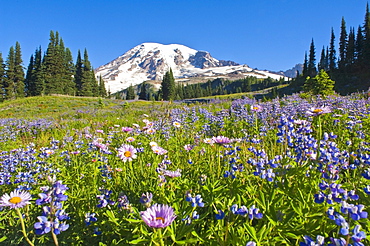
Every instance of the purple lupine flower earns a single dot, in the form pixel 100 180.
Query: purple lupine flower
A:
pixel 90 218
pixel 308 241
pixel 358 236
pixel 123 202
pixel 254 213
pixel 146 199
pixel 220 215
pixel 158 216
pixel 104 198
pixel 53 216
pixel 43 226
pixel 196 201
pixel 251 243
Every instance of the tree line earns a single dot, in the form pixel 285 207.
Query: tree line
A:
pixel 171 90
pixel 350 67
pixel 53 72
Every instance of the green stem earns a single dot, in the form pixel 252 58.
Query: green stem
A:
pixel 23 227
pixel 55 238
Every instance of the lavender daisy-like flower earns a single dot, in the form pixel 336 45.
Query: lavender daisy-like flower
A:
pixel 159 150
pixel 127 152
pixel 221 140
pixel 256 108
pixel 318 111
pixel 158 216
pixel 16 199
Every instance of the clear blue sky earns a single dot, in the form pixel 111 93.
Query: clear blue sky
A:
pixel 264 34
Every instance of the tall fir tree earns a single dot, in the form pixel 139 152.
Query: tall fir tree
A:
pixel 18 71
pixel 366 40
pixel 78 73
pixel 9 85
pixel 69 87
pixel 28 79
pixel 305 66
pixel 2 74
pixel 311 67
pixel 168 86
pixel 323 60
pixel 343 43
pixel 50 70
pixel 143 91
pixel 102 89
pixel 130 94
pixel 37 85
pixel 359 48
pixel 89 85
pixel 332 53
pixel 350 56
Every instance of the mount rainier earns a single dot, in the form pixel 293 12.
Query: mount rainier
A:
pixel 150 61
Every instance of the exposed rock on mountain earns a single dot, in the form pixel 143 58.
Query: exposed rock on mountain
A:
pixel 150 61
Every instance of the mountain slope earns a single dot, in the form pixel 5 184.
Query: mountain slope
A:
pixel 150 61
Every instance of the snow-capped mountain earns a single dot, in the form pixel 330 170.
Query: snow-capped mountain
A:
pixel 150 61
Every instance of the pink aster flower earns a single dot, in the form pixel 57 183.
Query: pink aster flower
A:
pixel 159 150
pixel 127 152
pixel 130 139
pixel 158 216
pixel 172 174
pixel 126 129
pixel 208 141
pixel 256 108
pixel 16 199
pixel 221 140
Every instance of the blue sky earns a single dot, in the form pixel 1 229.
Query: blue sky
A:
pixel 263 34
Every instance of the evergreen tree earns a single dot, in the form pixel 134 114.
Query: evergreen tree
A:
pixel 359 45
pixel 28 79
pixel 323 60
pixel 143 91
pixel 89 85
pixel 69 87
pixel 102 89
pixel 343 43
pixel 18 71
pixel 37 84
pixel 50 69
pixel 168 86
pixel 9 85
pixel 311 68
pixel 350 56
pixel 305 66
pixel 2 74
pixel 332 52
pixel 366 39
pixel 78 73
pixel 130 94
pixel 321 84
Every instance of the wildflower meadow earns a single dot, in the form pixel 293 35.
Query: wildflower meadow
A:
pixel 288 171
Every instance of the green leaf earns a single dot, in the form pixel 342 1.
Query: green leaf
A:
pixel 3 239
pixel 139 240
